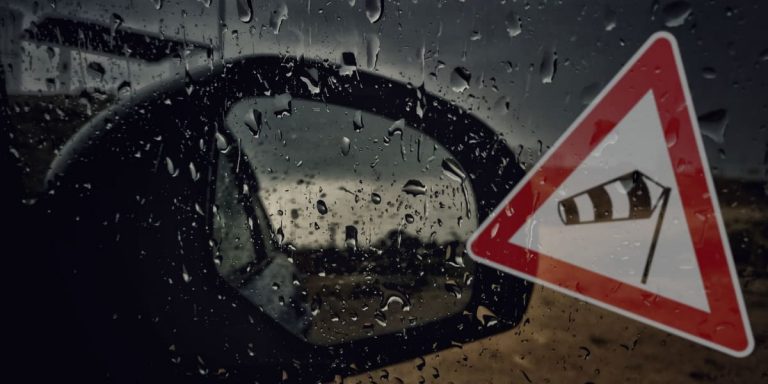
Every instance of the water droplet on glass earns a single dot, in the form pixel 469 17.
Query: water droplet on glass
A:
pixel 373 10
pixel 485 316
pixel 763 55
pixel 117 21
pixel 158 4
pixel 548 66
pixel 350 239
pixel 409 218
pixel 460 78
pixel 675 13
pixel 221 143
pixel 282 104
pixel 375 198
pixel 713 124
pixel 414 188
pixel 312 80
pixel 206 3
pixel 346 145
pixel 277 17
pixel 193 171
pixel 452 169
pixel 396 128
pixel 501 106
pixel 709 73
pixel 357 121
pixel 372 46
pixel 185 275
pixel 453 288
pixel 245 10
pixel 124 88
pixel 95 69
pixel 609 20
pixel 170 167
pixel 321 207
pixel 514 24
pixel 253 120
pixel 399 299
pixel 589 92
pixel 380 318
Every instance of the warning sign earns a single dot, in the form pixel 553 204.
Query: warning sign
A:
pixel 622 213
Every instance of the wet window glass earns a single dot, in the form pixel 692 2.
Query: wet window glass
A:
pixel 386 191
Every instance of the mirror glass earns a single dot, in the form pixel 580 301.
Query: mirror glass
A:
pixel 350 224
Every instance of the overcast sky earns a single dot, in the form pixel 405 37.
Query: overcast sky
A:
pixel 724 56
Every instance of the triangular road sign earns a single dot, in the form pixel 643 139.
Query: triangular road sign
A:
pixel 621 212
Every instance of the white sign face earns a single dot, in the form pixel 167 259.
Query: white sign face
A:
pixel 619 248
pixel 622 212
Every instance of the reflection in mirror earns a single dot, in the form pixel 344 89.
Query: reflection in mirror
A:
pixel 351 225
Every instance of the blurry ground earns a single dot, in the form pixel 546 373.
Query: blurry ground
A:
pixel 564 340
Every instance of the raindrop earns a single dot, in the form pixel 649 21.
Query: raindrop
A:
pixel 609 20
pixel 453 288
pixel 589 92
pixel 170 167
pixel 708 73
pixel 380 318
pixel 395 299
pixel 245 10
pixel 278 15
pixel 185 275
pixel 282 104
pixel 763 55
pixel 414 187
pixel 460 78
pixel 373 10
pixel 409 218
pixel 51 52
pixel 548 66
pixel 117 21
pixel 189 85
pixel 501 106
pixel 713 125
pixel 221 143
pixel 158 4
pixel 357 121
pixel 321 207
pixel 193 171
pixel 375 198
pixel 452 169
pixel 675 13
pixel 206 3
pixel 312 80
pixel 346 145
pixel 485 316
pixel 253 119
pixel 95 69
pixel 373 44
pixel 514 24
pixel 124 87
pixel 350 238
pixel 396 128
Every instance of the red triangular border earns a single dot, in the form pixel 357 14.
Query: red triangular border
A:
pixel 655 67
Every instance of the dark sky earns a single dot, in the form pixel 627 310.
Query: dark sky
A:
pixel 724 50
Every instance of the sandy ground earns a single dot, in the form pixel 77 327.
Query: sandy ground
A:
pixel 564 340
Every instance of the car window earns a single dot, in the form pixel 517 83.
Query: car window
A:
pixel 289 190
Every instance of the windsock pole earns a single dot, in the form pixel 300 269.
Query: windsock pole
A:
pixel 664 199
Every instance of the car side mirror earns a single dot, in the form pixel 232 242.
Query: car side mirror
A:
pixel 277 209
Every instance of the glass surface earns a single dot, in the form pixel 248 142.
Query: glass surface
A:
pixel 365 228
